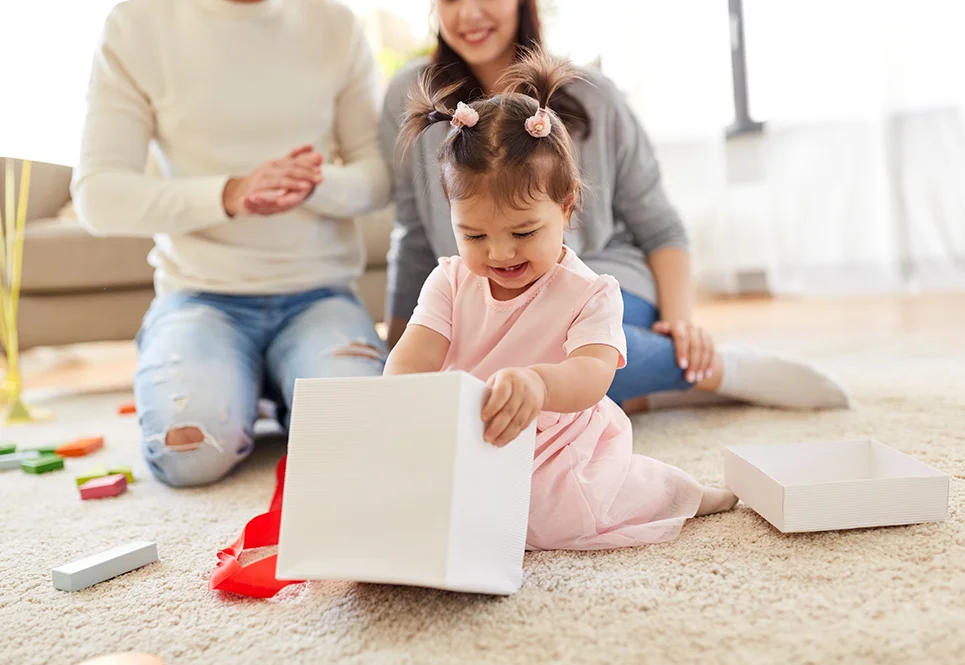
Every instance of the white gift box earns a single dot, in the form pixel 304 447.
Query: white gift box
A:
pixel 824 486
pixel 389 480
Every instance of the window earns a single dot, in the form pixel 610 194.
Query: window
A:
pixel 46 47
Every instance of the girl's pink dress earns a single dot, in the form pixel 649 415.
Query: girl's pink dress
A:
pixel 589 490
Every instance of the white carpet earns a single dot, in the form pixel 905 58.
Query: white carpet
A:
pixel 731 589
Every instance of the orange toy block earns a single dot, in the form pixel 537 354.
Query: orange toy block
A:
pixel 127 408
pixel 80 447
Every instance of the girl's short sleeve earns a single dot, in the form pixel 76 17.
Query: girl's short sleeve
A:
pixel 600 321
pixel 434 309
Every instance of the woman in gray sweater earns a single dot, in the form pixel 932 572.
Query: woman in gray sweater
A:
pixel 626 226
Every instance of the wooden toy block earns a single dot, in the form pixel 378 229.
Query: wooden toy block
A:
pixel 104 566
pixel 13 460
pixel 123 470
pixel 7 448
pixel 98 471
pixel 100 488
pixel 42 464
pixel 126 408
pixel 80 447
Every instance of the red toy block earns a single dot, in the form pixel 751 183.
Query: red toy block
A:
pixel 99 488
pixel 80 447
pixel 126 408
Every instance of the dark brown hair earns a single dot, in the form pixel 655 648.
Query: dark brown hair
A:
pixel 498 155
pixel 453 70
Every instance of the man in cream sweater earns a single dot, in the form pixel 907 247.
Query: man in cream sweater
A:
pixel 239 104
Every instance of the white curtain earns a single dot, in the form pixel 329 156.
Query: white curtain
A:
pixel 857 182
pixel 46 47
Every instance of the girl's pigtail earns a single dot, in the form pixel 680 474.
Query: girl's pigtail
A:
pixel 425 107
pixel 538 75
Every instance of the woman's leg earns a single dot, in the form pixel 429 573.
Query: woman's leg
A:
pixel 324 334
pixel 199 375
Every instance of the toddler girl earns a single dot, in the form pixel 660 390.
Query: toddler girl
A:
pixel 519 310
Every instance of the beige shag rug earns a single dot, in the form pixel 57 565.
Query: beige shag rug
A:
pixel 731 589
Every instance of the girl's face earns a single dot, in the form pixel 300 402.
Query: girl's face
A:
pixel 482 32
pixel 512 248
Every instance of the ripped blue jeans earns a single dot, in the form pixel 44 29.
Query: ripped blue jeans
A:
pixel 205 360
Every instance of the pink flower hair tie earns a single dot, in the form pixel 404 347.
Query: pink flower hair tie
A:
pixel 539 126
pixel 465 116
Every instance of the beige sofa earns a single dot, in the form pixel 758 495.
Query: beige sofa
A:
pixel 81 288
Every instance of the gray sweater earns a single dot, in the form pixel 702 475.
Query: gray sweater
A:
pixel 625 214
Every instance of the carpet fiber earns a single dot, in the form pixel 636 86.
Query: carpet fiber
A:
pixel 730 589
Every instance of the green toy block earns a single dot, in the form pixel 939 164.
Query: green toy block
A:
pixel 42 464
pixel 98 471
pixel 124 470
pixel 47 449
pixel 7 448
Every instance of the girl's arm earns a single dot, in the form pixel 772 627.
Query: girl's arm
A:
pixel 518 394
pixel 394 330
pixel 419 350
pixel 595 347
pixel 580 381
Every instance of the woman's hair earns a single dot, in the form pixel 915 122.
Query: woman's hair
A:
pixel 453 71
pixel 494 145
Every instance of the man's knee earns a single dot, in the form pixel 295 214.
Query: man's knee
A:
pixel 184 439
pixel 193 455
pixel 360 350
pixel 358 357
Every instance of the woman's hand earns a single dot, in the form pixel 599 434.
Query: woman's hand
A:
pixel 694 346
pixel 276 186
pixel 516 398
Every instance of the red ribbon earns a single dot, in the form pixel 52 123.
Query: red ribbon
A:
pixel 257 579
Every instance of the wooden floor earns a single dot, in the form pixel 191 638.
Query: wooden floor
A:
pixel 783 322
pixel 892 314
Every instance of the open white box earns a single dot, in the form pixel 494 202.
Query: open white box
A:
pixel 830 485
pixel 389 480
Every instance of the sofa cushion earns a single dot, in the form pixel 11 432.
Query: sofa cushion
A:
pixel 49 187
pixel 51 320
pixel 59 255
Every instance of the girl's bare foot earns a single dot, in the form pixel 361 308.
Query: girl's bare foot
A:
pixel 716 500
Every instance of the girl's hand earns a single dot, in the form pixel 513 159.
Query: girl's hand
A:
pixel 516 397
pixel 694 346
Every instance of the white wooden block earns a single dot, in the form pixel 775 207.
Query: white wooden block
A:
pixel 13 460
pixel 389 481
pixel 104 565
pixel 830 485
